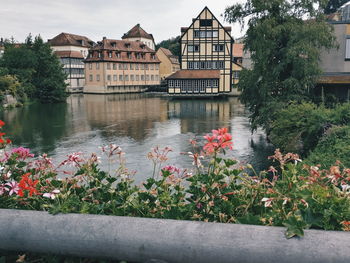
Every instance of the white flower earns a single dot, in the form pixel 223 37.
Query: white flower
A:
pixel 345 187
pixel 267 201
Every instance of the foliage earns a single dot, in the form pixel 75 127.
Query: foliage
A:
pixel 173 44
pixel 285 51
pixel 299 127
pixel 37 68
pixel 333 5
pixel 332 148
pixel 9 84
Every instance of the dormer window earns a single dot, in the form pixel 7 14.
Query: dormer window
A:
pixel 99 55
pixel 129 55
pixel 153 56
pixel 110 54
pixel 117 54
pixel 138 55
pixel 113 44
pixel 127 45
pixel 143 46
pixel 142 55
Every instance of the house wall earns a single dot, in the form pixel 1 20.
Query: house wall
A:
pixel 146 41
pixel 206 52
pixel 166 67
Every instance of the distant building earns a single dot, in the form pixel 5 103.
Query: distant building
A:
pixel 206 48
pixel 137 33
pixel 121 66
pixel 72 50
pixel 335 63
pixel 237 61
pixel 169 63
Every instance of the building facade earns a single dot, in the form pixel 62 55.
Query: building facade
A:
pixel 207 45
pixel 121 66
pixel 72 50
pixel 137 33
pixel 169 63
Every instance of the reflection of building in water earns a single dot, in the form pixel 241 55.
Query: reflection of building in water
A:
pixel 201 116
pixel 131 115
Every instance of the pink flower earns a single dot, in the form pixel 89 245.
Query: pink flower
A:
pixel 14 187
pixel 220 139
pixel 267 201
pixel 73 159
pixel 172 169
pixel 22 153
pixel 52 194
pixel 3 188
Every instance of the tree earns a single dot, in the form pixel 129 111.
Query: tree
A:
pixel 285 51
pixel 48 78
pixel 173 44
pixel 333 5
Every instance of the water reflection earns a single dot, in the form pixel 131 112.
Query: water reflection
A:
pixel 136 122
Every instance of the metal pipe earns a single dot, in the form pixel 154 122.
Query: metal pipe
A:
pixel 158 240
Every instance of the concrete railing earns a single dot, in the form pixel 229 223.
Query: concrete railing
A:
pixel 156 240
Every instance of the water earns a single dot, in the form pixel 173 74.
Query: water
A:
pixel 136 122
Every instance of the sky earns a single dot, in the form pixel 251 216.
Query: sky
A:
pixel 111 18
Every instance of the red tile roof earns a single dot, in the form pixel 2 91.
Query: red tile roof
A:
pixel 69 54
pixel 174 59
pixel 195 74
pixel 67 39
pixel 137 31
pixel 123 47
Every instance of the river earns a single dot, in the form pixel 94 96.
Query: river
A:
pixel 136 122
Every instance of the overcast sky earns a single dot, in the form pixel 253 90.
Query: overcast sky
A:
pixel 110 18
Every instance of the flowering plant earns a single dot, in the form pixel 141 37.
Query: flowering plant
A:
pixel 217 189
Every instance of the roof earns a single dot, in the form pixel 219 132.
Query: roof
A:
pixel 68 54
pixel 137 31
pixel 195 74
pixel 122 45
pixel 334 79
pixel 227 28
pixel 238 50
pixel 67 39
pixel 173 59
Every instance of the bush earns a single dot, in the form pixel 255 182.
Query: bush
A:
pixel 332 148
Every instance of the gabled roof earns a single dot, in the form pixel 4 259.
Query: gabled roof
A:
pixel 122 45
pixel 67 39
pixel 173 59
pixel 185 29
pixel 137 31
pixel 195 74
pixel 68 54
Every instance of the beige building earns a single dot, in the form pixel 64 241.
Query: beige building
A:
pixel 72 50
pixel 121 66
pixel 137 33
pixel 205 45
pixel 169 63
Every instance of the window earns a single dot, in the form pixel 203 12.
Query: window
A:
pixel 137 66
pixel 142 66
pixel 196 65
pixel 109 77
pixel 126 77
pixel 120 66
pixel 208 83
pixel 236 74
pixel 110 54
pixel 115 77
pixel 190 65
pixel 147 77
pixel 142 77
pixel 108 65
pixel 196 85
pixel 129 55
pixel 99 54
pixel 114 66
pixel 157 66
pixel 97 66
pixel 218 48
pixel 125 66
pixel 120 77
pixel 132 77
pixel 203 33
pixel 91 78
pixel 131 66
pixel 157 77
pixel 215 83
pixel 347 48
pixel 203 64
pixel 183 86
pixel 146 66
pixel 152 77
pixel 98 77
pixel 171 84
pixel 117 54
pixel 138 55
pixel 90 65
pixel 202 85
pixel 206 22
pixel 177 83
pixel 137 77
pixel 152 66
pixel 193 48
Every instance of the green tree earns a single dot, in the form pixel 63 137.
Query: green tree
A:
pixel 284 38
pixel 333 5
pixel 173 44
pixel 48 77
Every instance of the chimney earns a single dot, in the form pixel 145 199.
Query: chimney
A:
pixel 104 38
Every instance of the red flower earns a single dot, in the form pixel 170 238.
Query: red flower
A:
pixel 220 139
pixel 8 141
pixel 27 184
pixel 1 140
pixel 2 123
pixel 2 134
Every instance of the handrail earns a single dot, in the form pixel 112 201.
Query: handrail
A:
pixel 145 239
